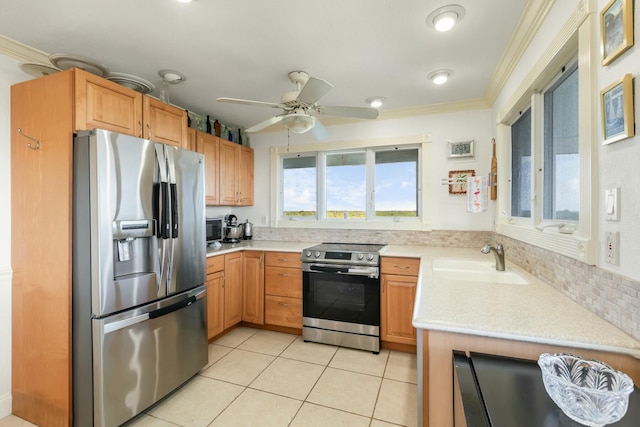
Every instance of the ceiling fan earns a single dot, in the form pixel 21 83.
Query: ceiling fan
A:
pixel 298 106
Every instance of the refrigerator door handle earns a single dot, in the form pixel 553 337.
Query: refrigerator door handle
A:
pixel 164 229
pixel 120 324
pixel 171 308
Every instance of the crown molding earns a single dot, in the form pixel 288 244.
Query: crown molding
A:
pixel 534 14
pixel 22 52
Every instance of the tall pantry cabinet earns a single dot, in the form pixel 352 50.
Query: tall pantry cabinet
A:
pixel 49 110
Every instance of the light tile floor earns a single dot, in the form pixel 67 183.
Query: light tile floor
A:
pixel 258 377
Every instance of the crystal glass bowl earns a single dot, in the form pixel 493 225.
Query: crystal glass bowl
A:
pixel 589 392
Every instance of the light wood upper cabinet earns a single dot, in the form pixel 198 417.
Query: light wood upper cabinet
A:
pixel 191 139
pixel 245 185
pixel 399 281
pixel 100 103
pixel 236 174
pixel 253 287
pixel 164 123
pixel 209 145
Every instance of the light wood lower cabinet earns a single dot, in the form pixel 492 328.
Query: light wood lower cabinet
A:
pixel 283 289
pixel 215 295
pixel 399 281
pixel 232 289
pixel 253 287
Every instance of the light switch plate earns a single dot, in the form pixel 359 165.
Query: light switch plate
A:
pixel 612 204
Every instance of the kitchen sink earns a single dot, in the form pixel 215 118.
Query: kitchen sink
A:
pixel 474 271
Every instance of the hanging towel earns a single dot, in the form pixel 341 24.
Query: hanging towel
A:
pixel 477 193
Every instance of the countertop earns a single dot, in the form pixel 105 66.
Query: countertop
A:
pixel 535 312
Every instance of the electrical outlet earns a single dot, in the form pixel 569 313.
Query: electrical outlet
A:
pixel 612 248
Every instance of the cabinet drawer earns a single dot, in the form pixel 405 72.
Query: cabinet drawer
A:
pixel 283 281
pixel 215 263
pixel 402 266
pixel 283 311
pixel 283 259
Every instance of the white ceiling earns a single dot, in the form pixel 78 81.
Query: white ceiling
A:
pixel 245 48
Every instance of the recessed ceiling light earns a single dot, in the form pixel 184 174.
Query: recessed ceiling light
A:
pixel 375 102
pixel 440 76
pixel 444 18
pixel 172 77
pixel 185 1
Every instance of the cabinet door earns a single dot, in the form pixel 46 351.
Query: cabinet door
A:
pixel 232 289
pixel 398 296
pixel 283 281
pixel 245 178
pixel 229 165
pixel 164 123
pixel 191 139
pixel 209 145
pixel 283 311
pixel 215 303
pixel 100 103
pixel 253 287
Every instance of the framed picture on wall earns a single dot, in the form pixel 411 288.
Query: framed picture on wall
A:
pixel 616 106
pixel 458 181
pixel 616 29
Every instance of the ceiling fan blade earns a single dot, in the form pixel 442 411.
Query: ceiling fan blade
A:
pixel 248 102
pixel 313 90
pixel 265 124
pixel 319 131
pixel 355 112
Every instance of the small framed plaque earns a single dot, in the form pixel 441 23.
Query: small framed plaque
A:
pixel 462 149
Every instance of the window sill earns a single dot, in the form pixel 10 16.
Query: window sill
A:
pixel 571 245
pixel 401 224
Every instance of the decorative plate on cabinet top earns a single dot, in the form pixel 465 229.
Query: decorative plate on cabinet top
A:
pixel 132 82
pixel 64 61
pixel 38 70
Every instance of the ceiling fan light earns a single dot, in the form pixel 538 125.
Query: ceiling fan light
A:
pixel 440 77
pixel 375 102
pixel 299 122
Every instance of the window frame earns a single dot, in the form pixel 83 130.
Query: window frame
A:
pixel 420 222
pixel 576 37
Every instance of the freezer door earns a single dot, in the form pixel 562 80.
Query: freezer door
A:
pixel 187 248
pixel 143 355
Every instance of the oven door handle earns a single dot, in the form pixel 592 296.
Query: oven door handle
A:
pixel 325 269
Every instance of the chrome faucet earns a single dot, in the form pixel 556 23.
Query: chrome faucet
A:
pixel 498 253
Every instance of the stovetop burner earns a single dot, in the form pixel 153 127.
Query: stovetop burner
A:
pixel 343 253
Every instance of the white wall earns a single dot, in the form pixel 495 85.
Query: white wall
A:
pixel 447 211
pixel 9 74
pixel 618 162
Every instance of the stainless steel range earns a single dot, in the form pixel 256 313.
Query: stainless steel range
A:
pixel 341 295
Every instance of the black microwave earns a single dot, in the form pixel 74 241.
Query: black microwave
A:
pixel 215 230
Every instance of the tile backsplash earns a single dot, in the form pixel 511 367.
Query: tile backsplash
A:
pixel 451 238
pixel 613 297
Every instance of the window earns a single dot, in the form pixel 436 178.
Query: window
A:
pixel 559 93
pixel 559 154
pixel 521 166
pixel 366 184
pixel 561 190
pixel 299 177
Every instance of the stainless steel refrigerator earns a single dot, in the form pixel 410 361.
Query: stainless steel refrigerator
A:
pixel 139 295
